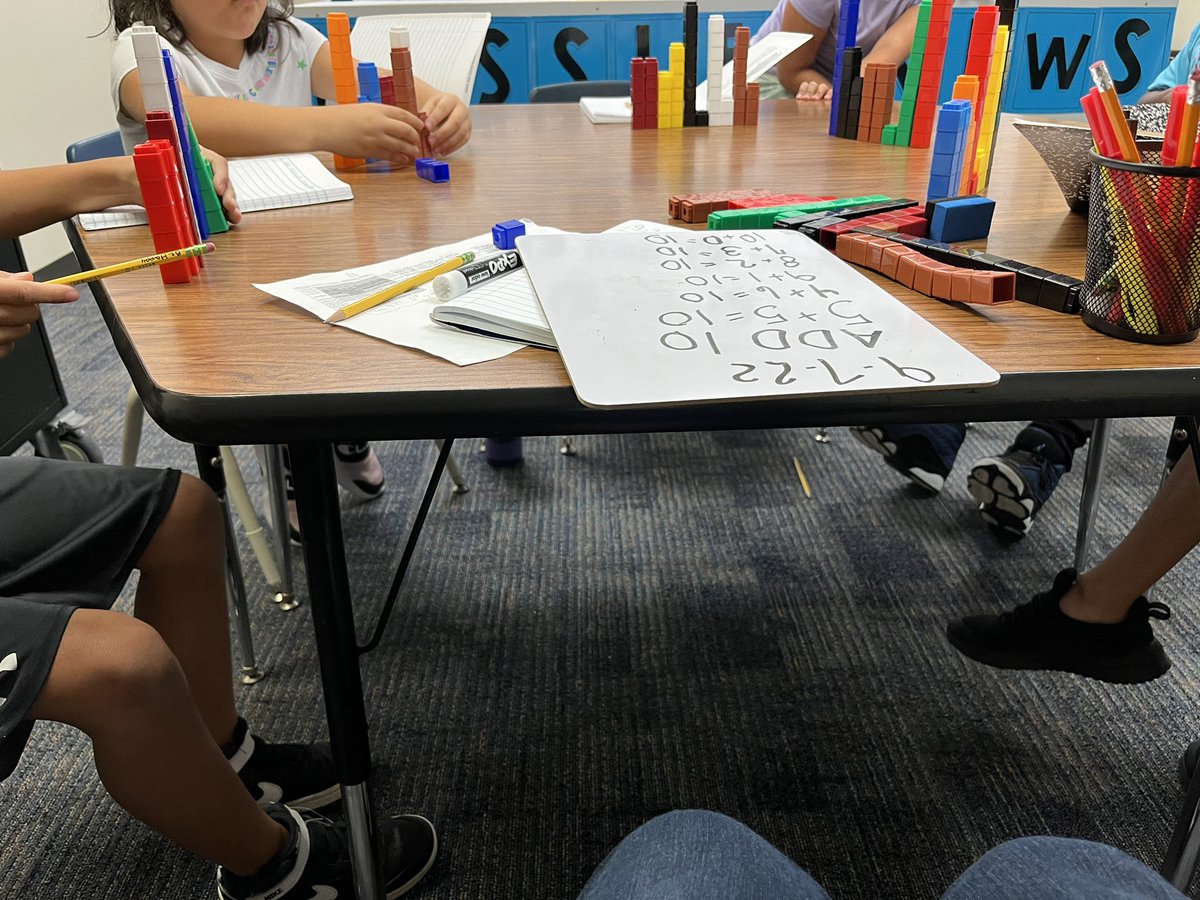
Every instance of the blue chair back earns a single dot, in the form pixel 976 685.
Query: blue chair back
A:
pixel 99 146
pixel 571 91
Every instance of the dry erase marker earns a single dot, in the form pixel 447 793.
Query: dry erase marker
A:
pixel 456 283
pixel 160 259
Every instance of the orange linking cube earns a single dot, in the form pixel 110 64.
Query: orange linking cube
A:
pixel 878 95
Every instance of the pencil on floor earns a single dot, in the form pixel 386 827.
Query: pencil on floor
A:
pixel 803 479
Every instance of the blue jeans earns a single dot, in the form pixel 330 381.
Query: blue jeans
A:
pixel 699 855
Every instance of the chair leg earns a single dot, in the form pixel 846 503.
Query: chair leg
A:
pixel 239 497
pixel 1183 852
pixel 273 471
pixel 456 476
pixel 209 465
pixel 237 602
pixel 565 446
pixel 821 436
pixel 1092 478
pixel 131 431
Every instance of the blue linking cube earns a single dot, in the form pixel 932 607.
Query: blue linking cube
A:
pixel 433 170
pixel 505 234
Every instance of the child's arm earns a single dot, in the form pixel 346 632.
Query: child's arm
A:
pixel 241 128
pixel 895 44
pixel 33 198
pixel 795 71
pixel 448 119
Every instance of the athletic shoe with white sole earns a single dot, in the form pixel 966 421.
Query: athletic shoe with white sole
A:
pixel 922 453
pixel 315 863
pixel 358 470
pixel 1012 488
pixel 292 774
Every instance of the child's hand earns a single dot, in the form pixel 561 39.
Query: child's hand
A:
pixel 814 90
pixel 19 299
pixel 371 130
pixel 222 185
pixel 449 123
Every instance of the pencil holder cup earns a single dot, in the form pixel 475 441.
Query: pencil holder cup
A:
pixel 1143 251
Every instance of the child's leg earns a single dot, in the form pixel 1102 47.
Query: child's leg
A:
pixel 115 679
pixel 181 593
pixel 1166 531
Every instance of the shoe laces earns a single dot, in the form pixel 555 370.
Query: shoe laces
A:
pixel 1031 613
pixel 278 759
pixel 330 847
pixel 1048 472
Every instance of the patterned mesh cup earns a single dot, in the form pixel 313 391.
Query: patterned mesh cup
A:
pixel 1143 251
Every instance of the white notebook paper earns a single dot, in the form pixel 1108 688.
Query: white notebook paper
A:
pixel 445 47
pixel 261 182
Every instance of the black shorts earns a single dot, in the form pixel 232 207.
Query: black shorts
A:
pixel 70 534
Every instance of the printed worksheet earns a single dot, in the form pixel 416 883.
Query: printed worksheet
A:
pixel 403 320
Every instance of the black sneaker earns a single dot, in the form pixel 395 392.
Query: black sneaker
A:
pixel 315 864
pixel 292 774
pixel 922 453
pixel 1038 635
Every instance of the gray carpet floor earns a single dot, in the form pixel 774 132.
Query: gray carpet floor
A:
pixel 666 621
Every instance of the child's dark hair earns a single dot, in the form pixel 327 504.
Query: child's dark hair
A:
pixel 158 13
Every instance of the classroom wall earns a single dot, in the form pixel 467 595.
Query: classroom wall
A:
pixel 1186 17
pixel 56 79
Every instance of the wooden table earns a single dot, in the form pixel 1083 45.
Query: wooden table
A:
pixel 218 362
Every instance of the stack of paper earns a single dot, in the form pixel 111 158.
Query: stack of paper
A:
pixel 261 182
pixel 607 110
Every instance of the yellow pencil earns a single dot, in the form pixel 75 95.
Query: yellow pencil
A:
pixel 159 259
pixel 353 309
pixel 803 480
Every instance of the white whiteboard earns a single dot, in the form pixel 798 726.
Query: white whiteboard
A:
pixel 688 317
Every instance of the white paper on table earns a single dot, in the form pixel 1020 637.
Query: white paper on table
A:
pixel 404 320
pixel 762 56
pixel 510 301
pixel 261 182
pixel 445 47
pixel 607 110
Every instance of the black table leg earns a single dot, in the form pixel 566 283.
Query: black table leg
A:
pixel 333 623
